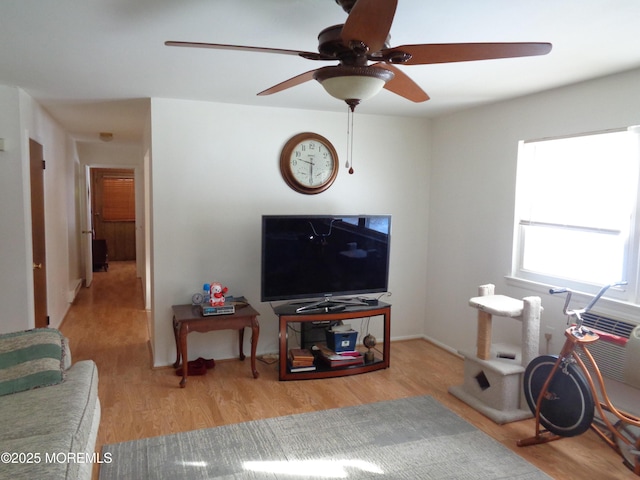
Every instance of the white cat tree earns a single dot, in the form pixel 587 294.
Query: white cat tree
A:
pixel 493 375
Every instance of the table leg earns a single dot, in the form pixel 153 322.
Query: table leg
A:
pixel 282 347
pixel 185 356
pixel 255 333
pixel 241 338
pixel 175 335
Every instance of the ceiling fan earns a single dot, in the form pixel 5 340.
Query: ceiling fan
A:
pixel 364 38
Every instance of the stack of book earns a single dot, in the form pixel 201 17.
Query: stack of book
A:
pixel 301 360
pixel 335 359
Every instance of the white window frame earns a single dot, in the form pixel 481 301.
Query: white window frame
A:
pixel 629 294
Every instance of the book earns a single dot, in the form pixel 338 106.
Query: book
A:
pixel 300 364
pixel 343 359
pixel 344 362
pixel 307 368
pixel 304 363
pixel 301 354
pixel 299 358
pixel 238 302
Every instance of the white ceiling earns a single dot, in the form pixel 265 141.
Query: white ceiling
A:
pixel 92 63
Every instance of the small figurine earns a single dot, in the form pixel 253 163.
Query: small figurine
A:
pixel 217 291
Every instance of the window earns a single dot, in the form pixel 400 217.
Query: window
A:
pixel 379 223
pixel 576 211
pixel 118 199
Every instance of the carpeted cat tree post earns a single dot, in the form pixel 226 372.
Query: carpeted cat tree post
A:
pixel 493 375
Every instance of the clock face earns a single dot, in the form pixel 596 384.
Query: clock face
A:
pixel 197 299
pixel 309 163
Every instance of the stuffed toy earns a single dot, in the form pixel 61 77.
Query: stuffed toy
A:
pixel 217 291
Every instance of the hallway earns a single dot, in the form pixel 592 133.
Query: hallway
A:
pixel 109 315
pixel 107 323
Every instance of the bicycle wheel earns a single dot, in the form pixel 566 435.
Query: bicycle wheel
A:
pixel 568 406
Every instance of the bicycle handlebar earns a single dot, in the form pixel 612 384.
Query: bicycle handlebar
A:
pixel 553 291
pixel 579 312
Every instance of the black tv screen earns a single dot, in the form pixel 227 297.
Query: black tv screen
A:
pixel 315 256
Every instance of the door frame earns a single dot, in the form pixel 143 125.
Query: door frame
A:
pixel 142 219
pixel 38 234
pixel 87 228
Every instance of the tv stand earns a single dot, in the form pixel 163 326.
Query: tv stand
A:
pixel 288 314
pixel 329 304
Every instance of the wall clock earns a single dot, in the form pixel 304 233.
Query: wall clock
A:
pixel 309 163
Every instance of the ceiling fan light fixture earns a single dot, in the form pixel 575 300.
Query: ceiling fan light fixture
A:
pixel 351 83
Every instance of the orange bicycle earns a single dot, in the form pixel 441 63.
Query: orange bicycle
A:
pixel 563 396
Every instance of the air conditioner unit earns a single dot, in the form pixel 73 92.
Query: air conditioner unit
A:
pixel 618 357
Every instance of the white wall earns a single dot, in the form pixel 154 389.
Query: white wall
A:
pixel 20 119
pixel 59 194
pixel 215 171
pixel 14 280
pixel 471 206
pixel 449 185
pixel 110 155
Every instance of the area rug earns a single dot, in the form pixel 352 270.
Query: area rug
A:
pixel 413 438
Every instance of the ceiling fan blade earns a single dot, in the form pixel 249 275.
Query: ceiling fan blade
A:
pixel 369 22
pixel 463 52
pixel 220 46
pixel 292 82
pixel 402 85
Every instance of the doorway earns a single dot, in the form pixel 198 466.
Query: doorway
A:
pixel 114 213
pixel 36 163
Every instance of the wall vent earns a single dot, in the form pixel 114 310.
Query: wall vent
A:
pixel 609 325
pixel 612 357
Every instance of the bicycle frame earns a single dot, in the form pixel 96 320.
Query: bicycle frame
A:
pixel 602 404
pixel 578 339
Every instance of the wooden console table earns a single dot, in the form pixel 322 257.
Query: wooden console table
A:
pixel 287 314
pixel 189 318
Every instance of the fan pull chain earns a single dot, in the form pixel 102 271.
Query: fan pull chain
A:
pixel 348 141
pixel 349 163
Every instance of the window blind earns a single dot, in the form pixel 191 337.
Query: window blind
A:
pixel 118 200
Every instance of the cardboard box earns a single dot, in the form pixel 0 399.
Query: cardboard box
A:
pixel 342 341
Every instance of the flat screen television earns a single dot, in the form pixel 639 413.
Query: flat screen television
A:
pixel 324 256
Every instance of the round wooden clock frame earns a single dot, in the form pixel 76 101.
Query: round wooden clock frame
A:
pixel 285 163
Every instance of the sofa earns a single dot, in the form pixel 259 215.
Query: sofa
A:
pixel 49 408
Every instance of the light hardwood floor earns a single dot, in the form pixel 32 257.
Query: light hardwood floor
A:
pixel 107 323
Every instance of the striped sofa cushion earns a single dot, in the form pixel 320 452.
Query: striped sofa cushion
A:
pixel 31 359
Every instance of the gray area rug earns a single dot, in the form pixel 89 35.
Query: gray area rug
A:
pixel 412 438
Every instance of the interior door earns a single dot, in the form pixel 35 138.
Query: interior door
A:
pixel 36 161
pixel 87 232
pixel 113 206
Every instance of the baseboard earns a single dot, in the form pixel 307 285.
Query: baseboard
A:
pixel 407 337
pixel 442 346
pixel 73 293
